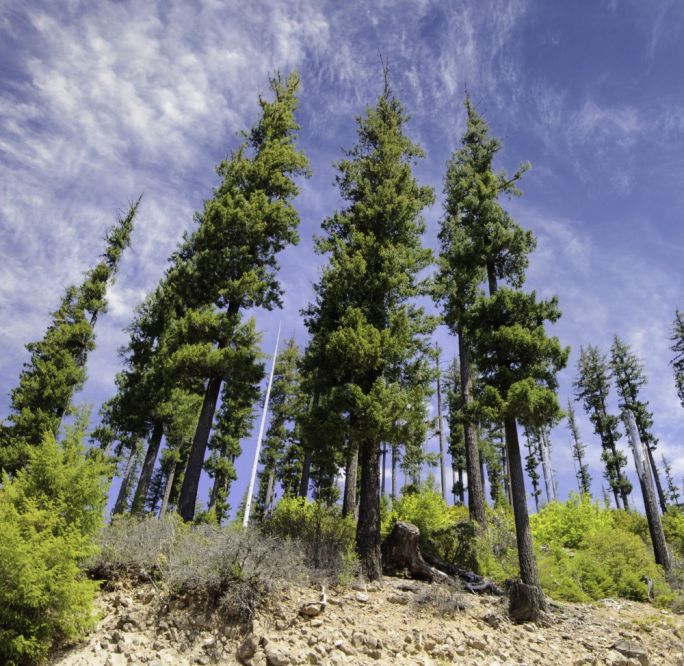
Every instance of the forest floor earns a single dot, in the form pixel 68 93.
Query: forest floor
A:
pixel 393 622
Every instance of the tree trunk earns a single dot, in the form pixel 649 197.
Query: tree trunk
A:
pixel 476 500
pixel 395 466
pixel 368 525
pixel 643 466
pixel 167 491
pixel 219 482
pixel 138 506
pixel 525 604
pixel 120 504
pixel 350 481
pixel 193 471
pixel 401 553
pixel 442 452
pixel 306 473
pixel 269 492
pixel 656 477
pixel 549 483
pixel 461 487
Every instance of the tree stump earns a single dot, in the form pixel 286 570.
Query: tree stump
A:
pixel 401 552
pixel 526 602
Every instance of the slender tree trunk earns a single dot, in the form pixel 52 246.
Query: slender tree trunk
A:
pixel 476 500
pixel 306 473
pixel 350 482
pixel 383 465
pixel 646 480
pixel 549 483
pixel 656 478
pixel 219 482
pixel 529 573
pixel 368 525
pixel 193 471
pixel 395 467
pixel 461 487
pixel 269 492
pixel 138 506
pixel 120 504
pixel 167 491
pixel 442 452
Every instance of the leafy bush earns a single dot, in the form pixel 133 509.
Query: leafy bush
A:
pixel 673 526
pixel 326 538
pixel 49 513
pixel 588 552
pixel 567 524
pixel 427 510
pixel 496 548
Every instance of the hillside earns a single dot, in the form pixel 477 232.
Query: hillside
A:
pixel 394 622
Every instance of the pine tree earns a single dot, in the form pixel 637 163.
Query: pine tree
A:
pixel 56 368
pixel 592 387
pixel 532 462
pixel 232 255
pixel 457 449
pixel 286 404
pixel 578 448
pixel 235 417
pixel 371 328
pixel 677 347
pixel 516 360
pixel 628 373
pixel 672 490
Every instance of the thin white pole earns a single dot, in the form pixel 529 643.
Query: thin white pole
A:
pixel 250 490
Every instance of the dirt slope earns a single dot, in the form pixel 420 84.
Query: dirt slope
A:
pixel 397 622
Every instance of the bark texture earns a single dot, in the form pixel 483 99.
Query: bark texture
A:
pixel 138 505
pixel 368 525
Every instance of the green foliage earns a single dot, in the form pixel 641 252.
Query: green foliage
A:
pixel 592 387
pixel 49 514
pixel 677 362
pixel 426 509
pixel 327 538
pixel 673 526
pixel 589 552
pixel 568 523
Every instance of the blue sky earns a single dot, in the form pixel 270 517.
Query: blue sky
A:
pixel 102 101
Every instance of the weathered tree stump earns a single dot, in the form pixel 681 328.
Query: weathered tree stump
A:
pixel 526 602
pixel 401 553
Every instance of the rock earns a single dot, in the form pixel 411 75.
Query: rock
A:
pixel 362 597
pixel 632 650
pixel 477 644
pixel 276 657
pixel 492 620
pixel 248 648
pixel 401 599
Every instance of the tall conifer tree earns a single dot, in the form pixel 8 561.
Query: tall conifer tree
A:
pixel 592 387
pixel 578 448
pixel 232 255
pixel 56 368
pixel 677 347
pixel 376 257
pixel 628 373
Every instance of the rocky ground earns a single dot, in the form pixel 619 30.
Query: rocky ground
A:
pixel 397 622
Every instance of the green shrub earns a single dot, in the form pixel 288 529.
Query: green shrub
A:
pixel 326 538
pixel 567 524
pixel 631 521
pixel 673 526
pixel 49 513
pixel 496 548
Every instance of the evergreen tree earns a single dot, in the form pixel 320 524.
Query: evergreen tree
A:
pixel 677 347
pixel 364 318
pixel 286 404
pixel 628 373
pixel 532 462
pixel 235 417
pixel 516 360
pixel 457 448
pixel 672 490
pixel 592 387
pixel 56 368
pixel 578 448
pixel 231 258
